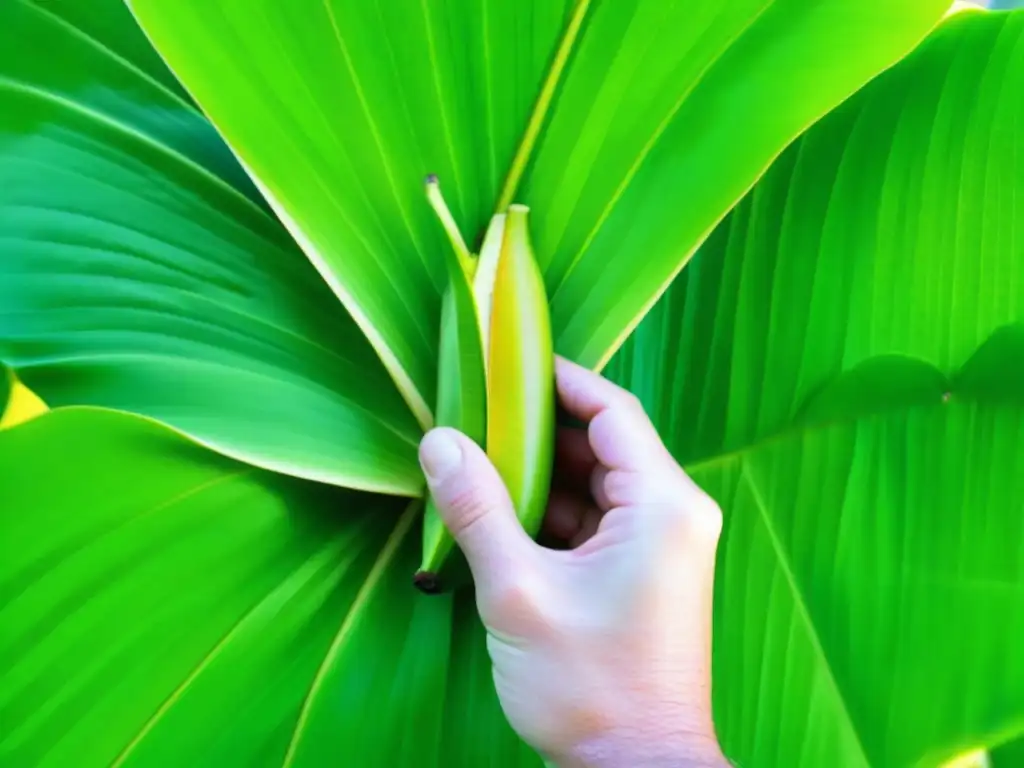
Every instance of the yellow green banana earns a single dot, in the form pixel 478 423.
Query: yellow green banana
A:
pixel 496 375
pixel 520 374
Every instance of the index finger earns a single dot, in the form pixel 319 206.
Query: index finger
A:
pixel 584 393
pixel 620 433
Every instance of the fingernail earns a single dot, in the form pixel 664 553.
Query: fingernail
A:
pixel 440 456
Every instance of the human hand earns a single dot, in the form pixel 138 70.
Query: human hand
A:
pixel 600 652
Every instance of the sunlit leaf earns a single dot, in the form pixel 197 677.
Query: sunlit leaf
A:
pixel 138 274
pixel 17 402
pixel 842 366
pixel 188 610
pixel 664 116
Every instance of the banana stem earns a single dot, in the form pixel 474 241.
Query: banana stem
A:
pixel 440 207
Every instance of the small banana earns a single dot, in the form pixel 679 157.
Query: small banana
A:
pixel 520 374
pixel 496 375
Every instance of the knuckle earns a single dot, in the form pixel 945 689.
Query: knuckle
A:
pixel 698 519
pixel 620 487
pixel 466 509
pixel 631 402
pixel 517 607
pixel 706 516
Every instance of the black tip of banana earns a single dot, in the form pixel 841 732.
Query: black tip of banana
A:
pixel 428 583
pixel 431 179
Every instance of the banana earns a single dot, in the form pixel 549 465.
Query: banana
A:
pixel 520 375
pixel 496 375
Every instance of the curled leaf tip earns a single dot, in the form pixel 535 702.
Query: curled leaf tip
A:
pixel 444 215
pixel 427 583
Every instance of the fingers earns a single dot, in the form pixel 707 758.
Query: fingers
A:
pixel 584 393
pixel 571 517
pixel 620 434
pixel 475 506
pixel 574 459
pixel 563 515
pixel 664 484
pixel 589 524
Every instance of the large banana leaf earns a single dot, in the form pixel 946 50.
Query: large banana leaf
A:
pixel 188 610
pixel 651 120
pixel 216 326
pixel 136 275
pixel 870 595
pixel 842 366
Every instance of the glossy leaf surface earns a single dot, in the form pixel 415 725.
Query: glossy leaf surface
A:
pixel 139 273
pixel 842 366
pixel 191 610
pixel 665 114
pixel 865 510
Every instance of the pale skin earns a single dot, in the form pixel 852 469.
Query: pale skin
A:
pixel 601 648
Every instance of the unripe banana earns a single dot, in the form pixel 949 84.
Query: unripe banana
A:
pixel 514 420
pixel 520 375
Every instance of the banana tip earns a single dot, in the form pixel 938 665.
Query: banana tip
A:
pixel 427 582
pixel 431 179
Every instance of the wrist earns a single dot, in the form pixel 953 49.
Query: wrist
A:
pixel 647 748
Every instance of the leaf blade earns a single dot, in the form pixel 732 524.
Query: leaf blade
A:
pixel 842 367
pixel 140 278
pixel 212 613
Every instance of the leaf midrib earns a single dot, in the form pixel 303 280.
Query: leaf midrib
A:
pixel 110 53
pixel 352 616
pixel 331 548
pixel 539 114
pixel 802 610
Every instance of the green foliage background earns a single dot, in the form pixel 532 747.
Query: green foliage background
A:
pixel 208 543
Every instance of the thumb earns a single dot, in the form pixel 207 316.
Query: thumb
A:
pixel 474 504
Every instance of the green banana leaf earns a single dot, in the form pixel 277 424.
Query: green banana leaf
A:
pixel 842 367
pixel 869 605
pixel 138 275
pixel 657 117
pixel 194 610
pixel 101 154
pixel 1007 755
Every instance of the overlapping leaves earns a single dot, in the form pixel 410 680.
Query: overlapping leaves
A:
pixel 847 376
pixel 664 115
pixel 189 609
pixel 138 273
pixel 841 367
